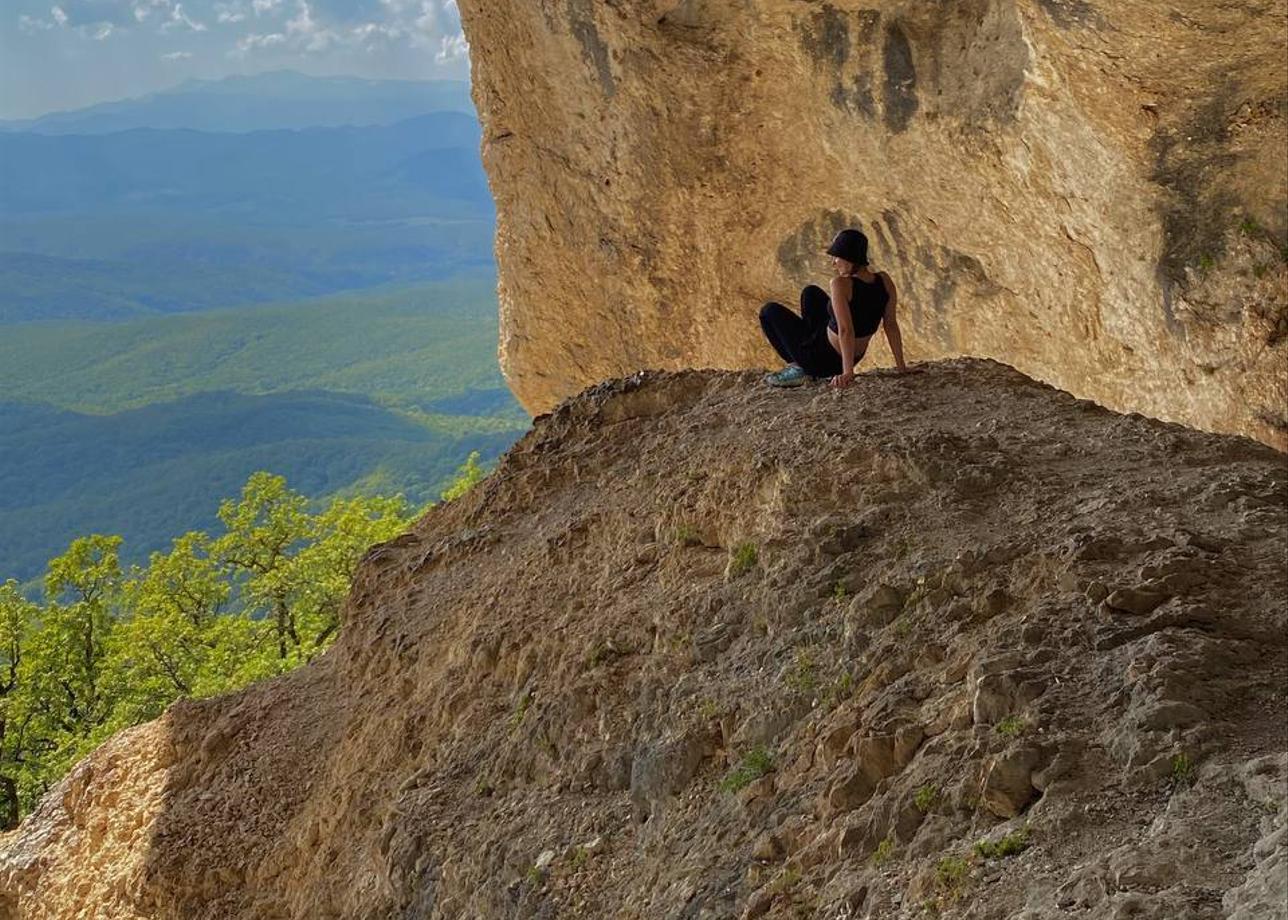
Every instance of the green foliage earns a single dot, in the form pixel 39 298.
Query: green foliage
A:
pixel 839 591
pixel 687 535
pixel 1011 844
pixel 952 874
pixel 802 677
pixel 743 558
pixel 839 690
pixel 111 648
pixel 520 711
pixel 1182 770
pixel 1011 727
pixel 883 852
pixel 925 797
pixel 754 764
pixel 371 392
pixel 468 476
pixel 1206 263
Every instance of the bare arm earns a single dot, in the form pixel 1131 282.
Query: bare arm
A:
pixel 890 323
pixel 842 288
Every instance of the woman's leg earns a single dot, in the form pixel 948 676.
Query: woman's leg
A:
pixel 814 304
pixel 796 342
pixel 783 328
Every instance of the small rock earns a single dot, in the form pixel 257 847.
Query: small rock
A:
pixel 1134 600
pixel 1008 787
pixel 544 860
pixel 847 793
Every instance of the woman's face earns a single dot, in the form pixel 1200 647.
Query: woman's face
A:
pixel 842 266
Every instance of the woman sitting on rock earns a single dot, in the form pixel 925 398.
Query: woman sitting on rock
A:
pixel 832 333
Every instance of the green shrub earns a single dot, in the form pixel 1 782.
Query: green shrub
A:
pixel 925 798
pixel 883 852
pixel 743 558
pixel 1011 727
pixel 1012 844
pixel 754 764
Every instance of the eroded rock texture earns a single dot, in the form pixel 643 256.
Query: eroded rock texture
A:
pixel 1093 192
pixel 701 649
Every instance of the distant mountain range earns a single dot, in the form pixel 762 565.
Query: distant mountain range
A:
pixel 162 220
pixel 425 166
pixel 278 273
pixel 279 99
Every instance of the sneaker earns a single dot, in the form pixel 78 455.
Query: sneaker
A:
pixel 790 376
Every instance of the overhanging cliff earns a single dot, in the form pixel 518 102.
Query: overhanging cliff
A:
pixel 1094 193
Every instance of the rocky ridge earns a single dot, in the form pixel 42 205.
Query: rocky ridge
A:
pixel 952 643
pixel 1092 192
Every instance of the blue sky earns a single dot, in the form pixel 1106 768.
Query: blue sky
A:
pixel 61 54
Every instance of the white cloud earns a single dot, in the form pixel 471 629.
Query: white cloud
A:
pixel 309 33
pixel 176 56
pixel 229 13
pixel 265 6
pixel 142 9
pixel 58 15
pixel 253 41
pixel 452 48
pixel 102 31
pixel 30 24
pixel 181 20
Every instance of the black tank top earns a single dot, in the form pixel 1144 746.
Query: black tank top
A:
pixel 867 306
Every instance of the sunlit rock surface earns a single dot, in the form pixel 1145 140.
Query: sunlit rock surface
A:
pixel 1092 192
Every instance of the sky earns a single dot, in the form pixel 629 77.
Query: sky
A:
pixel 67 54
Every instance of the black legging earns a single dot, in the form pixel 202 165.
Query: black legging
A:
pixel 802 339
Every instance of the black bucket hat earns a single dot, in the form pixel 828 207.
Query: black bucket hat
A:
pixel 850 245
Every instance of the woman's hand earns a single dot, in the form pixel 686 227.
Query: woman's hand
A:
pixel 841 381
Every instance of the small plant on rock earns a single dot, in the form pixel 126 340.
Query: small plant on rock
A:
pixel 803 675
pixel 580 857
pixel 840 592
pixel 687 535
pixel 883 852
pixel 520 711
pixel 1182 770
pixel 839 690
pixel 952 873
pixel 1011 844
pixel 754 764
pixel 742 559
pixel 925 798
pixel 1011 727
pixel 788 879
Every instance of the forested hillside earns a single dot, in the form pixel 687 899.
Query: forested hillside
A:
pixel 183 305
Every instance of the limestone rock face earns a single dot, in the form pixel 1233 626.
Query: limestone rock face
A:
pixel 1094 193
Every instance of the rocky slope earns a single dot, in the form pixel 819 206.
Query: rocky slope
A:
pixel 1093 192
pixel 702 649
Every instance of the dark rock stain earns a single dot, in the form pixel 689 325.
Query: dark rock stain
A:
pixel 1069 13
pixel 856 98
pixel 1192 158
pixel 801 254
pixel 900 92
pixel 581 21
pixel 826 36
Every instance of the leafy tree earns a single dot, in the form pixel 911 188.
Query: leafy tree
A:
pixel 468 476
pixel 110 649
pixel 264 526
pixel 17 614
